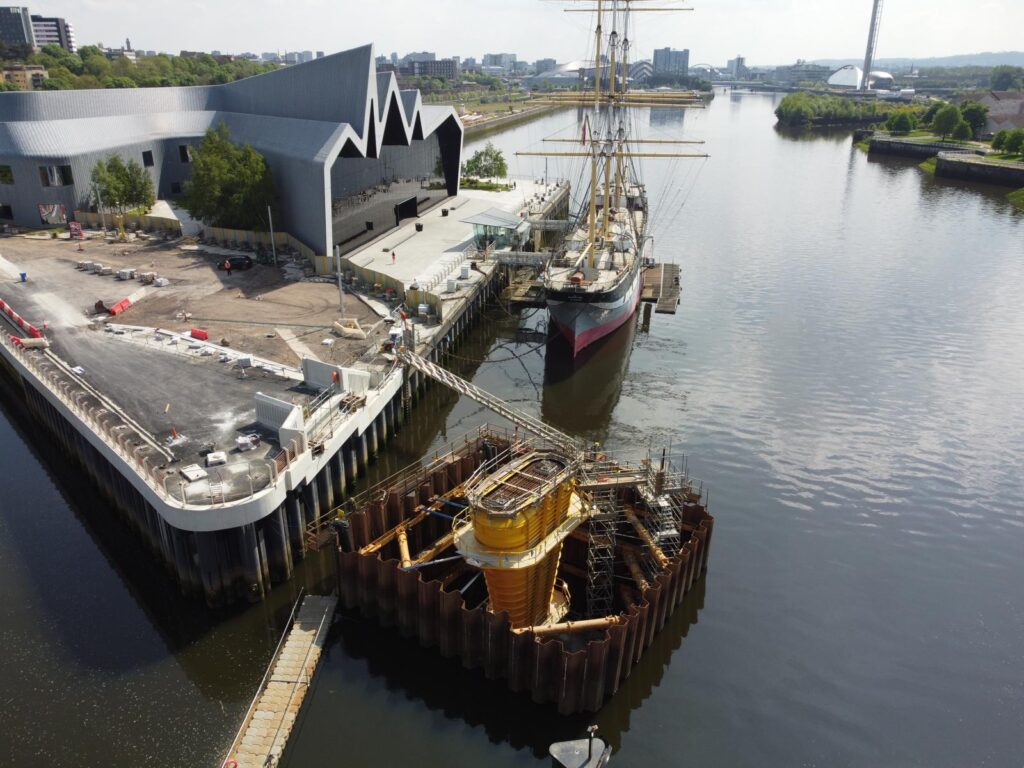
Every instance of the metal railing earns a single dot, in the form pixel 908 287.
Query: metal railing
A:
pixel 272 759
pixel 266 675
pixel 564 442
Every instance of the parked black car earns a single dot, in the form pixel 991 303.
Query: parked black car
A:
pixel 236 262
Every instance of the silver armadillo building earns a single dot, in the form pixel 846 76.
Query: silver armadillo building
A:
pixel 351 153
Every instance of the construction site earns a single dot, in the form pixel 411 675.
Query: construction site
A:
pixel 525 553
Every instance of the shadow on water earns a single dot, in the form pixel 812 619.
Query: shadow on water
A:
pixel 69 587
pixel 377 661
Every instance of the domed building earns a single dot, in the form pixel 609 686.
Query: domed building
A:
pixel 851 76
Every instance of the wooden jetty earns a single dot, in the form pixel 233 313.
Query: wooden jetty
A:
pixel 525 289
pixel 661 287
pixel 268 723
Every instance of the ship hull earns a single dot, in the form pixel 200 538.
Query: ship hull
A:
pixel 582 322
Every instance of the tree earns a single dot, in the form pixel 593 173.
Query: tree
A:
pixel 231 186
pixel 121 188
pixel 976 116
pixel 1014 144
pixel 900 122
pixel 930 113
pixel 56 84
pixel 119 82
pixel 962 131
pixel 138 187
pixel 945 120
pixel 488 163
pixel 999 140
pixel 1007 78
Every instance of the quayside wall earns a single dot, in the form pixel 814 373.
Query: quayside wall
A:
pixel 910 148
pixel 954 166
pixel 225 552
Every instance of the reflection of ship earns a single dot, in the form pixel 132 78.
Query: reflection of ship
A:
pixel 592 283
pixel 583 405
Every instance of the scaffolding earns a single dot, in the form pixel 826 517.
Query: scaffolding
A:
pixel 604 516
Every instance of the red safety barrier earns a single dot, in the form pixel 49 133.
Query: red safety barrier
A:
pixel 120 307
pixel 16 341
pixel 27 327
pixel 199 333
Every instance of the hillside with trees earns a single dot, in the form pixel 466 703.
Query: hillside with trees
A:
pixel 90 68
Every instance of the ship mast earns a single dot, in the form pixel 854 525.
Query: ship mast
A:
pixel 597 57
pixel 612 149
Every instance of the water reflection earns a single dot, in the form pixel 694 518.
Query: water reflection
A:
pixel 662 117
pixel 833 135
pixel 186 629
pixel 580 393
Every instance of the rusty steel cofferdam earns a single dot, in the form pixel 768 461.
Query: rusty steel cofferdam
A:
pixel 552 571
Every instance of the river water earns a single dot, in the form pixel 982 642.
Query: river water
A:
pixel 845 372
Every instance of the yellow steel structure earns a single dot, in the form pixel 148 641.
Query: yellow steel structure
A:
pixel 514 528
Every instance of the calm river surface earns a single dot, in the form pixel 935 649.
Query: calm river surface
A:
pixel 846 371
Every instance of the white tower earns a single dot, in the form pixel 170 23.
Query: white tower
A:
pixel 869 57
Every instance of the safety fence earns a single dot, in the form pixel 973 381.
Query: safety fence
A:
pixel 147 223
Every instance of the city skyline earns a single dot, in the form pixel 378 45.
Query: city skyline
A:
pixel 765 33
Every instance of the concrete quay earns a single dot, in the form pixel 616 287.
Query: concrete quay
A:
pixel 296 411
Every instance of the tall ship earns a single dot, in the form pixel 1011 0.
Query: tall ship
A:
pixel 593 283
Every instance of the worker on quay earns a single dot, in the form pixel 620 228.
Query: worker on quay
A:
pixel 393 255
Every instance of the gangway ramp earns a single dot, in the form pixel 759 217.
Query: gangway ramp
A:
pixel 556 438
pixel 261 740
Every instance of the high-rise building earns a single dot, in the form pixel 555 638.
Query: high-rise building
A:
pixel 16 26
pixel 446 68
pixel 738 68
pixel 544 65
pixel 53 30
pixel 469 64
pixel 507 61
pixel 668 61
pixel 319 54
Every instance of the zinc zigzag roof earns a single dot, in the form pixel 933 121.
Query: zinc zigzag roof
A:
pixel 307 111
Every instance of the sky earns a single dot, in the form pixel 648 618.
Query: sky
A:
pixel 766 32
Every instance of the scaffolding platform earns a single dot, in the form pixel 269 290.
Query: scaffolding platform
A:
pixel 662 288
pixel 526 293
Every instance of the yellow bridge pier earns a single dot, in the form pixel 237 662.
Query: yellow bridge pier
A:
pixel 514 528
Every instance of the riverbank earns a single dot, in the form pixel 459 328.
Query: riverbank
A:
pixel 494 123
pixel 967 161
